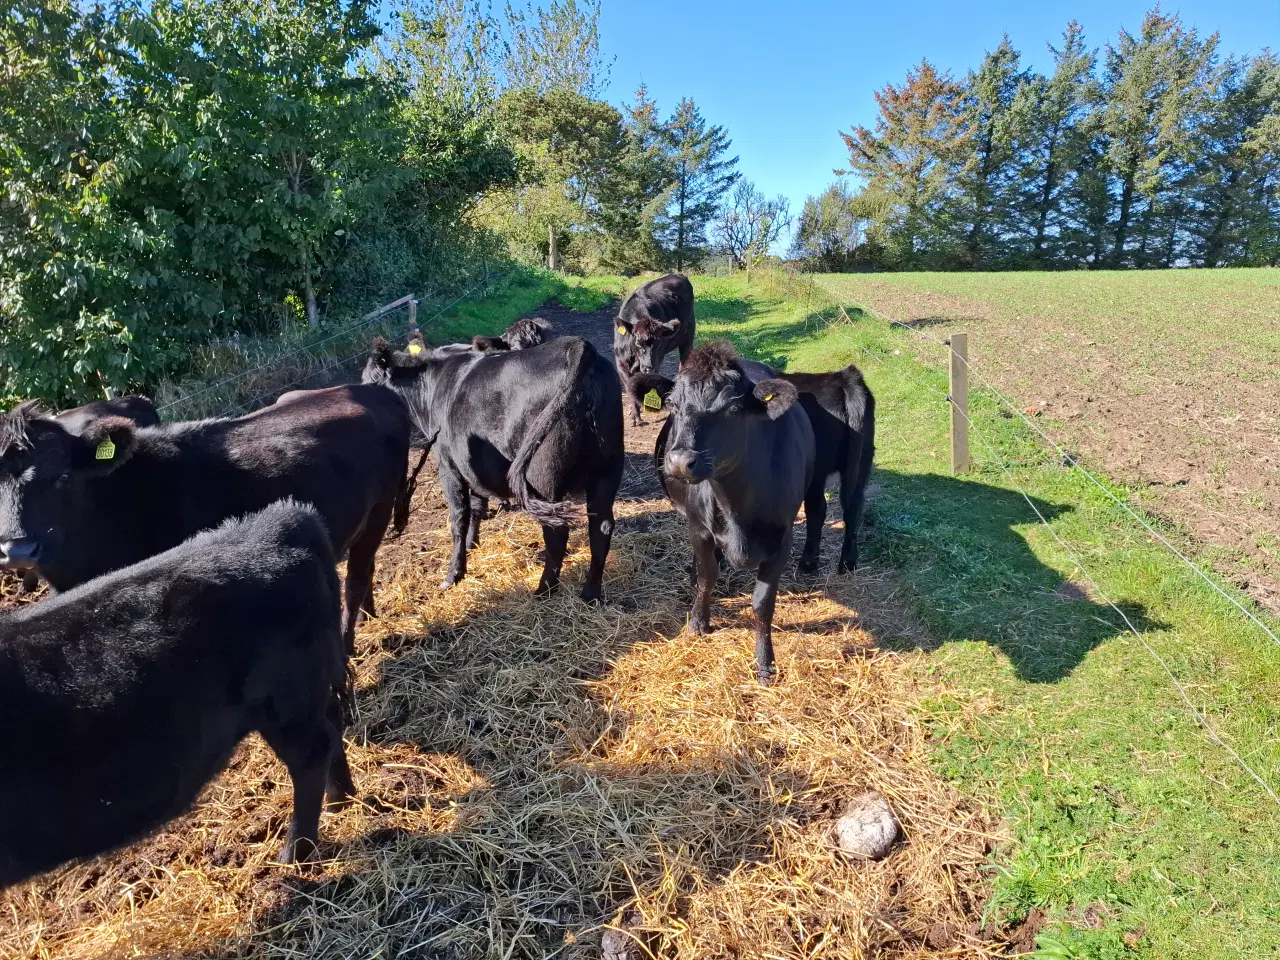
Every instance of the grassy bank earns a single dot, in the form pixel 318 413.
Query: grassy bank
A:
pixel 1130 829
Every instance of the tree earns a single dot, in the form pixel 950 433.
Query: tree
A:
pixel 910 159
pixel 703 174
pixel 749 224
pixel 1153 88
pixel 635 194
pixel 1238 169
pixel 556 47
pixel 986 178
pixel 831 230
pixel 1055 127
pixel 568 144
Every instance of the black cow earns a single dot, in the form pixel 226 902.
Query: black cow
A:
pixel 122 698
pixel 656 319
pixel 532 425
pixel 74 507
pixel 138 409
pixel 735 456
pixel 524 333
pixel 842 412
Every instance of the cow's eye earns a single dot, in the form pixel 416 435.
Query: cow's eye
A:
pixel 734 409
pixel 62 480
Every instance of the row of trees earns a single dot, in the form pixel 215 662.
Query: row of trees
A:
pixel 176 170
pixel 1155 152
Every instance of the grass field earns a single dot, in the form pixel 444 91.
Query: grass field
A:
pixel 532 770
pixel 1132 830
pixel 1168 380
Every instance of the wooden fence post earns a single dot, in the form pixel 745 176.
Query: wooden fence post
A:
pixel 959 344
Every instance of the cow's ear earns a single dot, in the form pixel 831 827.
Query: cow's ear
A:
pixel 777 396
pixel 380 352
pixel 642 385
pixel 488 344
pixel 673 324
pixel 622 327
pixel 105 444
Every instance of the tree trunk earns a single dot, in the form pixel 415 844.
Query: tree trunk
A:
pixel 313 313
pixel 1122 225
pixel 1213 243
pixel 552 260
pixel 1046 197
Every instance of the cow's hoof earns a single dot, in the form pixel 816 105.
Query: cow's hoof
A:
pixel 448 583
pixel 699 628
pixel 846 564
pixel 298 850
pixel 766 677
pixel 591 595
pixel 808 565
pixel 547 587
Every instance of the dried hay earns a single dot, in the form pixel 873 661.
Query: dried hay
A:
pixel 535 770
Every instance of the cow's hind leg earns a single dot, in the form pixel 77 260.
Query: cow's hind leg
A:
pixel 339 789
pixel 600 496
pixel 307 752
pixel 853 489
pixel 815 515
pixel 557 543
pixel 360 565
pixel 763 599
pixel 479 511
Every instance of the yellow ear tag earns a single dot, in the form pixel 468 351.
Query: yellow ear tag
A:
pixel 106 451
pixel 768 397
pixel 652 401
pixel 622 330
pixel 415 348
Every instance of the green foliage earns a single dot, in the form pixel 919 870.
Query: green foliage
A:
pixel 703 174
pixel 831 234
pixel 1167 158
pixel 748 224
pixel 192 169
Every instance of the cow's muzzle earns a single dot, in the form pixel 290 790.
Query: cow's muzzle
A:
pixel 20 554
pixel 682 465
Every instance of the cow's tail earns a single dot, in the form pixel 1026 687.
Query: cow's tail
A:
pixel 553 514
pixel 400 515
pixel 860 408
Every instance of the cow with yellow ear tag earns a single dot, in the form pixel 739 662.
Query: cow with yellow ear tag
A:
pixel 655 320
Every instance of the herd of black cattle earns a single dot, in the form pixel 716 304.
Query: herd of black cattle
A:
pixel 196 598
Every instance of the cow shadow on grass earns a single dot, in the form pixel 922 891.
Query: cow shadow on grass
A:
pixel 959 549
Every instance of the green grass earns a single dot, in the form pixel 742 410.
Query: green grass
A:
pixel 1123 814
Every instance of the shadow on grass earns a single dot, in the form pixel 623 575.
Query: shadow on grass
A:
pixel 959 548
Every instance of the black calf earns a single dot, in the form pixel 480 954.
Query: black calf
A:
pixel 535 425
pixel 842 412
pixel 656 319
pixel 735 456
pixel 122 698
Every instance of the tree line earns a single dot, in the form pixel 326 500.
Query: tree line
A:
pixel 173 171
pixel 1154 152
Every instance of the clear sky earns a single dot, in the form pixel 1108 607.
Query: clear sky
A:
pixel 784 77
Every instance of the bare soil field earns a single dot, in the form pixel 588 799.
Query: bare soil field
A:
pixel 534 772
pixel 1165 380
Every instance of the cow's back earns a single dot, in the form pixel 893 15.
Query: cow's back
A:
pixel 343 450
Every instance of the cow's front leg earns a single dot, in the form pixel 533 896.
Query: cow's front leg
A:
pixel 458 497
pixel 707 570
pixel 557 543
pixel 762 603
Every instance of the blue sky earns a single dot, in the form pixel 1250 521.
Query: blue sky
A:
pixel 783 78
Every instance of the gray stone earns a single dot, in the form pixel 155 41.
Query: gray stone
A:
pixel 868 827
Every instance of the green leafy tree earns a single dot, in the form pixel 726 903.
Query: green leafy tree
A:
pixel 1154 85
pixel 910 161
pixel 556 47
pixel 703 172
pixel 987 176
pixel 635 194
pixel 1055 125
pixel 832 230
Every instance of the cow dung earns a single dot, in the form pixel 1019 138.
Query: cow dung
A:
pixel 868 827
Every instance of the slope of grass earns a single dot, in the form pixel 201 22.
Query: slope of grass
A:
pixel 1136 833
